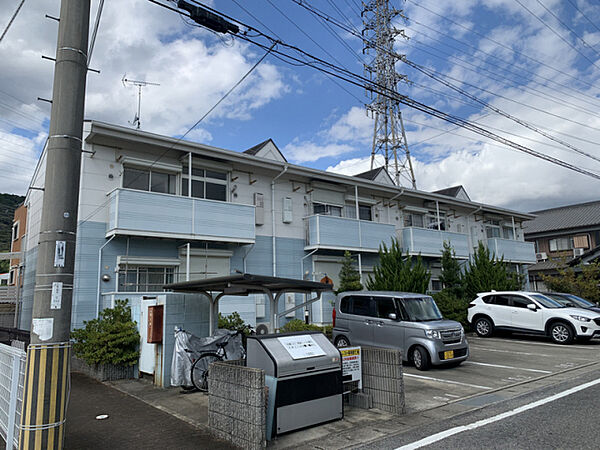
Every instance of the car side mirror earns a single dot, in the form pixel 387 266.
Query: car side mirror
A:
pixel 531 306
pixel 392 316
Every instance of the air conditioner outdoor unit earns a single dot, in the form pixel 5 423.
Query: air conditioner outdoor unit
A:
pixel 541 256
pixel 578 252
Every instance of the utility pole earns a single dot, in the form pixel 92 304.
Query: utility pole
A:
pixel 46 387
pixel 389 137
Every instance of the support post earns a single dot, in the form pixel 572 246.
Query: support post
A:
pixel 46 387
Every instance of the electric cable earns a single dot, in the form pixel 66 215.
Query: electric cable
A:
pixel 12 19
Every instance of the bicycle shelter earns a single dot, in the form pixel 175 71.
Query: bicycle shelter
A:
pixel 245 284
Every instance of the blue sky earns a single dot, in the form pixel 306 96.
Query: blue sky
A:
pixel 544 72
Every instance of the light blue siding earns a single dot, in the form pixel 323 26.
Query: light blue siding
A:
pixel 338 232
pixel 149 212
pixel 512 251
pixel 431 242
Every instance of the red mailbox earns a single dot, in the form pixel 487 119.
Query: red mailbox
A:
pixel 155 324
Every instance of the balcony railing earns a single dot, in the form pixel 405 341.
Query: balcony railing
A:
pixel 141 213
pixel 431 242
pixel 342 233
pixel 512 251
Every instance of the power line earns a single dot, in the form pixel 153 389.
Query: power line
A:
pixel 500 44
pixel 450 85
pixel 556 33
pixel 362 82
pixel 12 20
pixel 584 15
pixel 568 28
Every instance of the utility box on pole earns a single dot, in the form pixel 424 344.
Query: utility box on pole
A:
pixel 48 356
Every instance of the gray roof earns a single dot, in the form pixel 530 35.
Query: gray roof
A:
pixel 254 150
pixel 564 217
pixel 549 265
pixel 450 192
pixel 371 174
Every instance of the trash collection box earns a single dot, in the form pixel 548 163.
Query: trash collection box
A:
pixel 308 372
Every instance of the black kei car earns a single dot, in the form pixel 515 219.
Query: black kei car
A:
pixel 573 301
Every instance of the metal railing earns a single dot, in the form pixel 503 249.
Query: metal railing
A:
pixel 12 379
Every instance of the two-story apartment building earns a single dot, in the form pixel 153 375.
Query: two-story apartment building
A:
pixel 561 234
pixel 154 210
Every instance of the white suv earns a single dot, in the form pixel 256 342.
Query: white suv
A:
pixel 531 312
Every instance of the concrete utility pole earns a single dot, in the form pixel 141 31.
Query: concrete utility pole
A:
pixel 48 365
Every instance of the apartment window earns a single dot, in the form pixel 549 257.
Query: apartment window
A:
pixel 206 183
pixel 436 285
pixel 431 221
pixel 508 233
pixel 144 279
pixel 560 244
pixel 413 220
pixel 364 212
pixel 327 210
pixel 149 180
pixel 15 231
pixel 11 277
pixel 492 229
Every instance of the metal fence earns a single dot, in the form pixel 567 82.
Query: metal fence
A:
pixel 12 379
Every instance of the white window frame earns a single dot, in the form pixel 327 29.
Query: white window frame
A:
pixel 15 231
pixel 185 175
pixel 177 183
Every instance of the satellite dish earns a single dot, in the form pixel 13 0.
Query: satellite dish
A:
pixel 262 329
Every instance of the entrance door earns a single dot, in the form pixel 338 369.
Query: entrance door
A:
pixel 147 351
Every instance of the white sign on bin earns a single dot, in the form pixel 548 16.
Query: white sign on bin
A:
pixel 351 365
pixel 302 346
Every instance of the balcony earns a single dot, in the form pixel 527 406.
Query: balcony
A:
pixel 512 251
pixel 151 214
pixel 431 242
pixel 338 233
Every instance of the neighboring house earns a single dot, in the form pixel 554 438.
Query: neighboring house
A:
pixel 155 210
pixel 19 228
pixel 562 235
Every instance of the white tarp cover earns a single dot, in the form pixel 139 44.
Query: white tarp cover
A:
pixel 181 365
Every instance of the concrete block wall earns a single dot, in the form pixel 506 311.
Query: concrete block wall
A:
pixel 382 378
pixel 237 405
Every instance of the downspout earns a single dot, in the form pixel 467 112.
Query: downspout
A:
pixel 285 168
pixel 100 270
pixel 469 228
pixel 357 215
pixel 250 247
pixel 302 278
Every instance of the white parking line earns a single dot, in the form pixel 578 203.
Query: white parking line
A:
pixel 452 431
pixel 546 344
pixel 505 367
pixel 509 351
pixel 439 380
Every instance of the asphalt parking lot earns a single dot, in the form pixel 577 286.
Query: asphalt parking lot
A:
pixel 495 363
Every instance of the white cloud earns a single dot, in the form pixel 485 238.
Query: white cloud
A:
pixel 301 152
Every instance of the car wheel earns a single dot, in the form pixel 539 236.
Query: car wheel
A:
pixel 420 358
pixel 484 327
pixel 342 341
pixel 561 333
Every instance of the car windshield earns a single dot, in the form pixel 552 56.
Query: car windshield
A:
pixel 546 302
pixel 579 301
pixel 420 309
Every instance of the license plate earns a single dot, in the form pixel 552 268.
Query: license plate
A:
pixel 449 354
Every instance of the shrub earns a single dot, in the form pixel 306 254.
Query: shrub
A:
pixel 233 322
pixel 349 276
pixel 298 325
pixel 452 307
pixel 110 339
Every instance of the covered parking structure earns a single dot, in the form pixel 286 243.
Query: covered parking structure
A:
pixel 245 284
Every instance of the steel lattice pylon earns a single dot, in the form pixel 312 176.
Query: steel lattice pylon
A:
pixel 389 137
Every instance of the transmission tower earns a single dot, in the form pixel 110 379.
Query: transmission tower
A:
pixel 389 137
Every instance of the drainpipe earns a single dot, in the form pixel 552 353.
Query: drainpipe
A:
pixel 187 262
pixel 99 271
pixel 357 215
pixel 250 247
pixel 469 228
pixel 307 309
pixel 285 168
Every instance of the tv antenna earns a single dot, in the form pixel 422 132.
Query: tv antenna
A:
pixel 140 84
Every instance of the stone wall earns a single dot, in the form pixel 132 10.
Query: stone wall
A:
pixel 103 372
pixel 382 380
pixel 236 404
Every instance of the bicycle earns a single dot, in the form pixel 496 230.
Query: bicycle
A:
pixel 200 368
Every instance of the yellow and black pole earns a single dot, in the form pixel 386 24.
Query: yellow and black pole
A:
pixel 46 389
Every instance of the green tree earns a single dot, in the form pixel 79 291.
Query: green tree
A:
pixel 451 299
pixel 581 280
pixel 110 339
pixel 397 272
pixel 232 321
pixel 485 273
pixel 451 276
pixel 349 276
